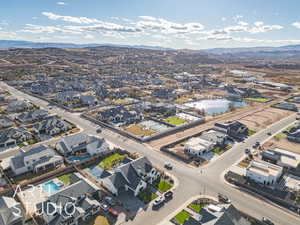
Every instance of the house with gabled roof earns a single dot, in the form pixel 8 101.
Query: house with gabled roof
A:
pixel 35 160
pixel 11 212
pixel 133 176
pixel 13 136
pixel 32 116
pixel 52 126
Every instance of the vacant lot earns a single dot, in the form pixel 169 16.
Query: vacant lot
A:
pixel 137 130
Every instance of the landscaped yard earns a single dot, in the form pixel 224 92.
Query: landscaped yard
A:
pixel 280 136
pixel 138 131
pixel 65 178
pixel 182 216
pixel 175 120
pixel 251 132
pixel 196 207
pixel 258 99
pixel 147 196
pixel 108 162
pixel 217 151
pixel 163 186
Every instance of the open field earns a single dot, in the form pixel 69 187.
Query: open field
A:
pixel 175 120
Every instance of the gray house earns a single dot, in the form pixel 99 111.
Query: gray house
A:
pixel 19 106
pixel 11 212
pixel 5 122
pixel 14 136
pixel 52 126
pixel 32 116
pixel 78 198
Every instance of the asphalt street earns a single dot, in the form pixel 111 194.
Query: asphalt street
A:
pixel 192 181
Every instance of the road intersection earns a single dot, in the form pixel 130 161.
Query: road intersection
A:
pixel 192 181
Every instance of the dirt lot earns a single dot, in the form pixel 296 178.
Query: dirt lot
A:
pixel 284 144
pixel 261 119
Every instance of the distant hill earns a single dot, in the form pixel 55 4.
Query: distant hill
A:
pixel 6 44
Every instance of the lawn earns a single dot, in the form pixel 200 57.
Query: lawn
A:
pixel 137 130
pixel 65 178
pixel 108 162
pixel 251 132
pixel 101 220
pixel 147 196
pixel 258 99
pixel 217 151
pixel 182 217
pixel 280 136
pixel 163 186
pixel 175 120
pixel 196 207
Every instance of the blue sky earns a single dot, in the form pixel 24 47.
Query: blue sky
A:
pixel 194 24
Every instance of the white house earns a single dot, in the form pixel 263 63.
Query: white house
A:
pixel 263 172
pixel 35 160
pixel 198 146
pixel 97 146
pixel 281 157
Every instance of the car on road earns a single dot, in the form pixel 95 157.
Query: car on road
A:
pixel 269 133
pixel 98 130
pixel 256 145
pixel 104 206
pixel 247 151
pixel 168 195
pixel 168 166
pixel 109 200
pixel 158 202
pixel 267 221
pixel 223 198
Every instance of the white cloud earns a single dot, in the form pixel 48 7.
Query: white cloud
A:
pixel 89 36
pixel 61 3
pixel 259 23
pixel 148 18
pixel 296 24
pixel 71 19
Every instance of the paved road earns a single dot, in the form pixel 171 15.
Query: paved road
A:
pixel 191 180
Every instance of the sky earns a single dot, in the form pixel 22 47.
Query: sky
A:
pixel 190 24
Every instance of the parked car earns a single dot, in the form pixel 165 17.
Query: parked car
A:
pixel 113 212
pixel 267 221
pixel 98 130
pixel 168 166
pixel 269 133
pixel 168 195
pixel 223 198
pixel 256 145
pixel 247 151
pixel 104 206
pixel 109 200
pixel 158 202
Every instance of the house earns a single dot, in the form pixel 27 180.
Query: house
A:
pixel 197 146
pixel 120 115
pixel 52 126
pixel 294 134
pixel 19 106
pixel 160 108
pixel 225 214
pixel 13 136
pixel 281 157
pixel 263 172
pixel 164 93
pixel 88 100
pixel 32 116
pixel 67 97
pixel 35 160
pixel 237 92
pixel 133 176
pixel 101 92
pixel 287 106
pixel 216 137
pixel 11 212
pixel 79 143
pixel 5 122
pixel 80 198
pixel 234 129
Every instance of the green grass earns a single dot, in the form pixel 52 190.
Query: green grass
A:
pixel 251 132
pixel 108 162
pixel 217 151
pixel 147 196
pixel 174 120
pixel 65 178
pixel 258 99
pixel 182 217
pixel 281 135
pixel 196 207
pixel 163 186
